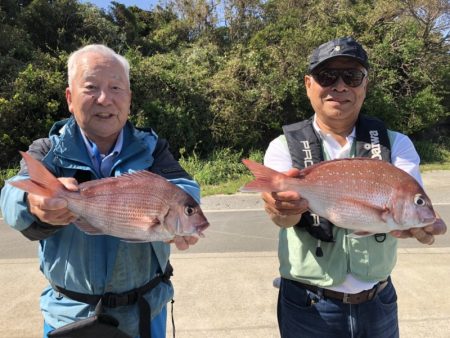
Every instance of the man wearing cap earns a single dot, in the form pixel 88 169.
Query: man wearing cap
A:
pixel 332 285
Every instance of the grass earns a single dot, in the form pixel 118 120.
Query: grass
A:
pixel 223 172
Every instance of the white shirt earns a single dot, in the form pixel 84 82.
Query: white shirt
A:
pixel 403 156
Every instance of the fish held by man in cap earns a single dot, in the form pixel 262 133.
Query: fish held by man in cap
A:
pixel 137 207
pixel 365 195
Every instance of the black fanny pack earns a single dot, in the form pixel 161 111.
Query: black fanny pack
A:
pixel 102 325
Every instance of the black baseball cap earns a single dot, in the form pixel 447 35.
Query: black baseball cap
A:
pixel 346 46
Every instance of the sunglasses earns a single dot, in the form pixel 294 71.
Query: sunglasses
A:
pixel 327 77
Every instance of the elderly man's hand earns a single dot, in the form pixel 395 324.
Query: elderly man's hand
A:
pixel 424 235
pixel 53 210
pixel 285 208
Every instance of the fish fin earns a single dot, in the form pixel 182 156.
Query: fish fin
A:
pixel 86 227
pixel 41 182
pixel 266 179
pixel 152 222
pixel 360 234
pixel 386 215
pixel 32 187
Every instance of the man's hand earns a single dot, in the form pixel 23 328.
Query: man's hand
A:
pixel 53 210
pixel 183 242
pixel 424 235
pixel 285 208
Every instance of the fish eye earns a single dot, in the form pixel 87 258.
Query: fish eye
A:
pixel 189 210
pixel 419 200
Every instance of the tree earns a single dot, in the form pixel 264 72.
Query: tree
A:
pixel 38 101
pixel 52 25
pixel 243 18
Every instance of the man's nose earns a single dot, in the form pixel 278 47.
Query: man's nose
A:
pixel 104 97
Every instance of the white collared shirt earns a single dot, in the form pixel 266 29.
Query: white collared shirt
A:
pixel 331 146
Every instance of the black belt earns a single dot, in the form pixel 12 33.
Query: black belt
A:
pixel 348 298
pixel 131 297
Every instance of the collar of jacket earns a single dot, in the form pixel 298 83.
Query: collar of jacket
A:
pixel 66 139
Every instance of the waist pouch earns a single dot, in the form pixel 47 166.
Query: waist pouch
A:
pixel 102 325
pixel 99 326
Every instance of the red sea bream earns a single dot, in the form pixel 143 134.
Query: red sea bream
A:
pixel 365 195
pixel 138 207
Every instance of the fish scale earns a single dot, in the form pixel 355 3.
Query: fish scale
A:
pixel 137 207
pixel 365 195
pixel 111 217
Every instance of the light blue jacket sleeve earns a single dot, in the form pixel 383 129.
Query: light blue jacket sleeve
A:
pixel 14 207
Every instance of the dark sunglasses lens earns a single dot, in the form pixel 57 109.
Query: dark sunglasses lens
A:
pixel 327 77
pixel 352 77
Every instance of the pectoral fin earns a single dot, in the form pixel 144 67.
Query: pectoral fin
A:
pixel 86 227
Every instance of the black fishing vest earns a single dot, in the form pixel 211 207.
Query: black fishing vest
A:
pixel 305 148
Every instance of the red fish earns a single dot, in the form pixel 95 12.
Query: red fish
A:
pixel 138 207
pixel 365 195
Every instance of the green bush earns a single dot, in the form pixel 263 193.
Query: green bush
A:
pixel 5 174
pixel 433 152
pixel 222 166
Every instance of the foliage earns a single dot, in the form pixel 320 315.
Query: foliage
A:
pixel 209 79
pixel 169 93
pixel 222 172
pixel 5 174
pixel 431 152
pixel 222 166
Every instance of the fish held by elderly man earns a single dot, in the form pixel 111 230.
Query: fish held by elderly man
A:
pixel 137 207
pixel 365 195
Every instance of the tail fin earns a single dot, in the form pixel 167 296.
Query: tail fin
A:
pixel 266 179
pixel 42 182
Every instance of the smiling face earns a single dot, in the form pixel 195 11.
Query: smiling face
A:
pixel 99 97
pixel 337 106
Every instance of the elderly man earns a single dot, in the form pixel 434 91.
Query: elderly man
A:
pixel 97 141
pixel 333 285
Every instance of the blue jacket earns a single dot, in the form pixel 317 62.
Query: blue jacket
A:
pixel 89 264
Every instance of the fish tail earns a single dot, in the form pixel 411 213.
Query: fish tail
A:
pixel 266 179
pixel 41 182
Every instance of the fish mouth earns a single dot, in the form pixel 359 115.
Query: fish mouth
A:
pixel 200 228
pixel 196 231
pixel 428 220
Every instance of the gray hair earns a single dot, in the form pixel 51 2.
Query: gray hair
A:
pixel 96 48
